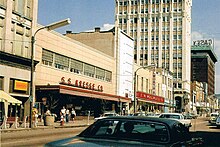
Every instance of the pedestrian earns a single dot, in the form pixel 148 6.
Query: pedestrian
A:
pixel 67 115
pixel 73 114
pixel 63 113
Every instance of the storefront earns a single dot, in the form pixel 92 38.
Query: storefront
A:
pixel 150 103
pixel 82 99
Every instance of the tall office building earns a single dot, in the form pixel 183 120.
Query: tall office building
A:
pixel 162 35
pixel 203 64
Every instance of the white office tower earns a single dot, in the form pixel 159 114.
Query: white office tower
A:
pixel 162 35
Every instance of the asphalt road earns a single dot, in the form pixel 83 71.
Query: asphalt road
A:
pixel 37 138
pixel 209 133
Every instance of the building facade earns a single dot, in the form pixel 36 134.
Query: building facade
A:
pixel 203 61
pixel 162 34
pixel 17 19
pixel 150 97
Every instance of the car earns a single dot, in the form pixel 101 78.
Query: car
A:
pixel 153 114
pixel 213 117
pixel 177 116
pixel 132 131
pixel 190 116
pixel 218 121
pixel 139 114
pixel 106 114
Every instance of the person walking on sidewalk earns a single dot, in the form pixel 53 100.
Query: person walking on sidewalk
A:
pixel 63 113
pixel 73 114
pixel 67 115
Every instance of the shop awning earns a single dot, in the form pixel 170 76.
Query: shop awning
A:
pixel 63 89
pixel 5 97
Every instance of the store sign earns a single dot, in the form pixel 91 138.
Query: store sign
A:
pixel 81 84
pixel 20 85
pixel 150 97
pixel 202 42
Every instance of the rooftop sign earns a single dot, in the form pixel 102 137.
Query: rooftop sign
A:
pixel 202 42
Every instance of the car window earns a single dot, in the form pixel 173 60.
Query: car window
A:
pixel 170 116
pixel 214 115
pixel 131 130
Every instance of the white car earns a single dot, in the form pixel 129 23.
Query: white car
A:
pixel 107 114
pixel 177 116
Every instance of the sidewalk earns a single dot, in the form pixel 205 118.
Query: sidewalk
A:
pixel 40 125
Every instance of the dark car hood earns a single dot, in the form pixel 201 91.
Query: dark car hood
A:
pixel 90 142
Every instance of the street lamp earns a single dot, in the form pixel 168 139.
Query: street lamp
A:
pixel 48 27
pixel 135 76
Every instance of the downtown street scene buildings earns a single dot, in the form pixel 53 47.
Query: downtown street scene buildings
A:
pixel 144 63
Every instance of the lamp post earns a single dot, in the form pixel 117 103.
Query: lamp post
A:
pixel 48 27
pixel 135 76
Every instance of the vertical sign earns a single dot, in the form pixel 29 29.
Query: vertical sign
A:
pixel 154 81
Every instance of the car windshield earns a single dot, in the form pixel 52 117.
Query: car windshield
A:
pixel 128 130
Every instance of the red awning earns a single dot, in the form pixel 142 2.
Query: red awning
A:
pixel 64 89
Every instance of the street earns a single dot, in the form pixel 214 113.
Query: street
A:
pixel 38 137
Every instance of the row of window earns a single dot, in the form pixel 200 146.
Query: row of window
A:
pixel 153 19
pixel 135 2
pixel 69 64
pixel 163 48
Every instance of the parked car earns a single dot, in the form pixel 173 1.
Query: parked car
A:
pixel 190 116
pixel 177 116
pixel 153 114
pixel 106 114
pixel 213 117
pixel 132 131
pixel 139 114
pixel 218 121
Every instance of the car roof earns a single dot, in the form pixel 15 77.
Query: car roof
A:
pixel 171 113
pixel 170 122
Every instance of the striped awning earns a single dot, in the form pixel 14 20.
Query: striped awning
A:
pixel 5 97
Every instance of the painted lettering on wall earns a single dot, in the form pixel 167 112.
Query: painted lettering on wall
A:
pixel 81 84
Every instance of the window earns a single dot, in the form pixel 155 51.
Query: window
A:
pixel 100 73
pixel 76 66
pixel 89 70
pixel 18 44
pixel 28 8
pixel 47 57
pixel 61 62
pixel 108 76
pixel 1 31
pixel 20 6
pixel 1 83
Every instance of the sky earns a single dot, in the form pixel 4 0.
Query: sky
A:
pixel 88 14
